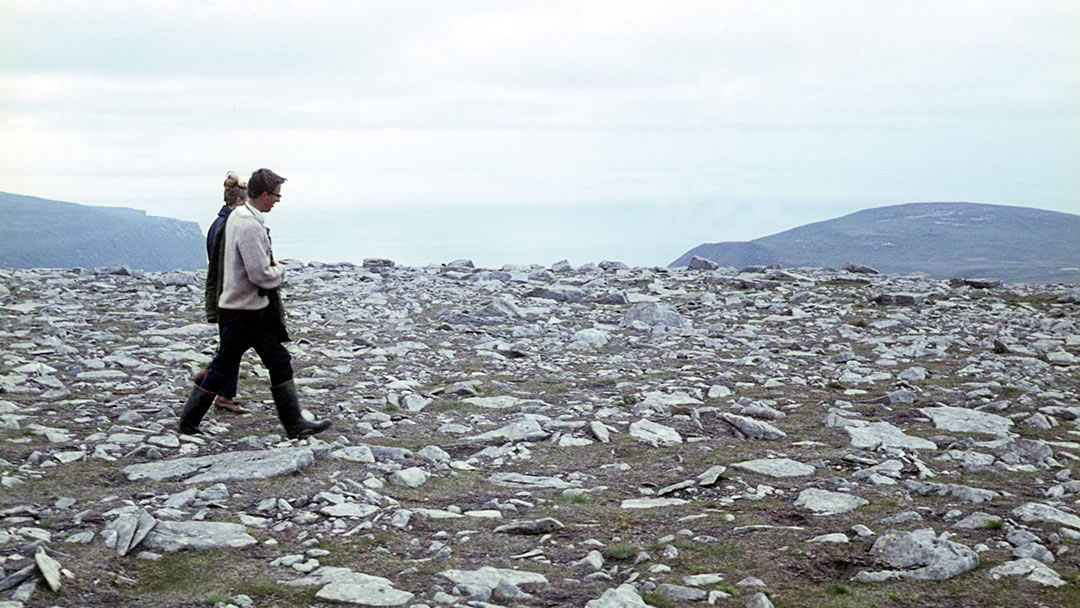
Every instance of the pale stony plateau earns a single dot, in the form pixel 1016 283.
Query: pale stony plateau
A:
pixel 597 436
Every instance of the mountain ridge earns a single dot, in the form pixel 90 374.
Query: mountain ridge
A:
pixel 942 239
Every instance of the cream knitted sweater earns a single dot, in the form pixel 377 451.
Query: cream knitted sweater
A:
pixel 247 263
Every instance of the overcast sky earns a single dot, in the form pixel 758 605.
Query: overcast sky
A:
pixel 737 119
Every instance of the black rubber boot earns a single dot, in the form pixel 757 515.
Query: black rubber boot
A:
pixel 288 411
pixel 198 403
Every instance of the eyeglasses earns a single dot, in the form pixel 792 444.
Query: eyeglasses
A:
pixel 275 194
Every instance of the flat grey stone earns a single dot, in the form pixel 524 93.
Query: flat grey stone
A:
pixel 172 536
pixel 491 577
pixel 963 420
pixel 680 593
pixel 228 466
pixel 363 594
pixel 349 509
pixel 519 480
pixel 325 575
pixel 698 580
pixel 1041 513
pixel 835 537
pixel 825 502
pixel 964 493
pixel 675 487
pixel 1034 551
pixel 1031 569
pixel 658 400
pixel 884 435
pixel 522 429
pixel 651 503
pixel 654 434
pixel 775 467
pixel 539 526
pixel 501 402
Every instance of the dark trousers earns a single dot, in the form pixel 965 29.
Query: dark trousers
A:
pixel 229 390
pixel 241 330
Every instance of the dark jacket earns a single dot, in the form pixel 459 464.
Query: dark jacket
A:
pixel 211 234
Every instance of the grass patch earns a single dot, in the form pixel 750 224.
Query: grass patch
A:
pixel 577 498
pixel 714 557
pixel 658 599
pixel 217 598
pixel 621 551
pixel 837 589
pixel 207 577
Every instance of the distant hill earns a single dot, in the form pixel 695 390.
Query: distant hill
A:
pixel 42 233
pixel 943 240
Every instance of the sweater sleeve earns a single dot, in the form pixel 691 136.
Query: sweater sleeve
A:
pixel 254 249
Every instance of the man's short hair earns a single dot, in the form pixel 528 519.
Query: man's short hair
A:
pixel 262 181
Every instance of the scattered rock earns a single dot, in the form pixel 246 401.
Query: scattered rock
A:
pixel 961 420
pixel 1031 569
pixel 775 467
pixel 825 502
pixel 539 398
pixel 919 555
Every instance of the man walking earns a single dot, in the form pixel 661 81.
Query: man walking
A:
pixel 245 282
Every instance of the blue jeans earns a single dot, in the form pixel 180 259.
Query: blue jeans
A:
pixel 241 330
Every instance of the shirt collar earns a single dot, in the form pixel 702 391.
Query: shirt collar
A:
pixel 258 214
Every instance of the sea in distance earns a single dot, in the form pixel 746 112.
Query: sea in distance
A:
pixel 635 233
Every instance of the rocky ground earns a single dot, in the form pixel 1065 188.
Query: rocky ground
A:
pixel 548 436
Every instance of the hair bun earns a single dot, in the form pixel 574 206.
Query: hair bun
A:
pixel 231 179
